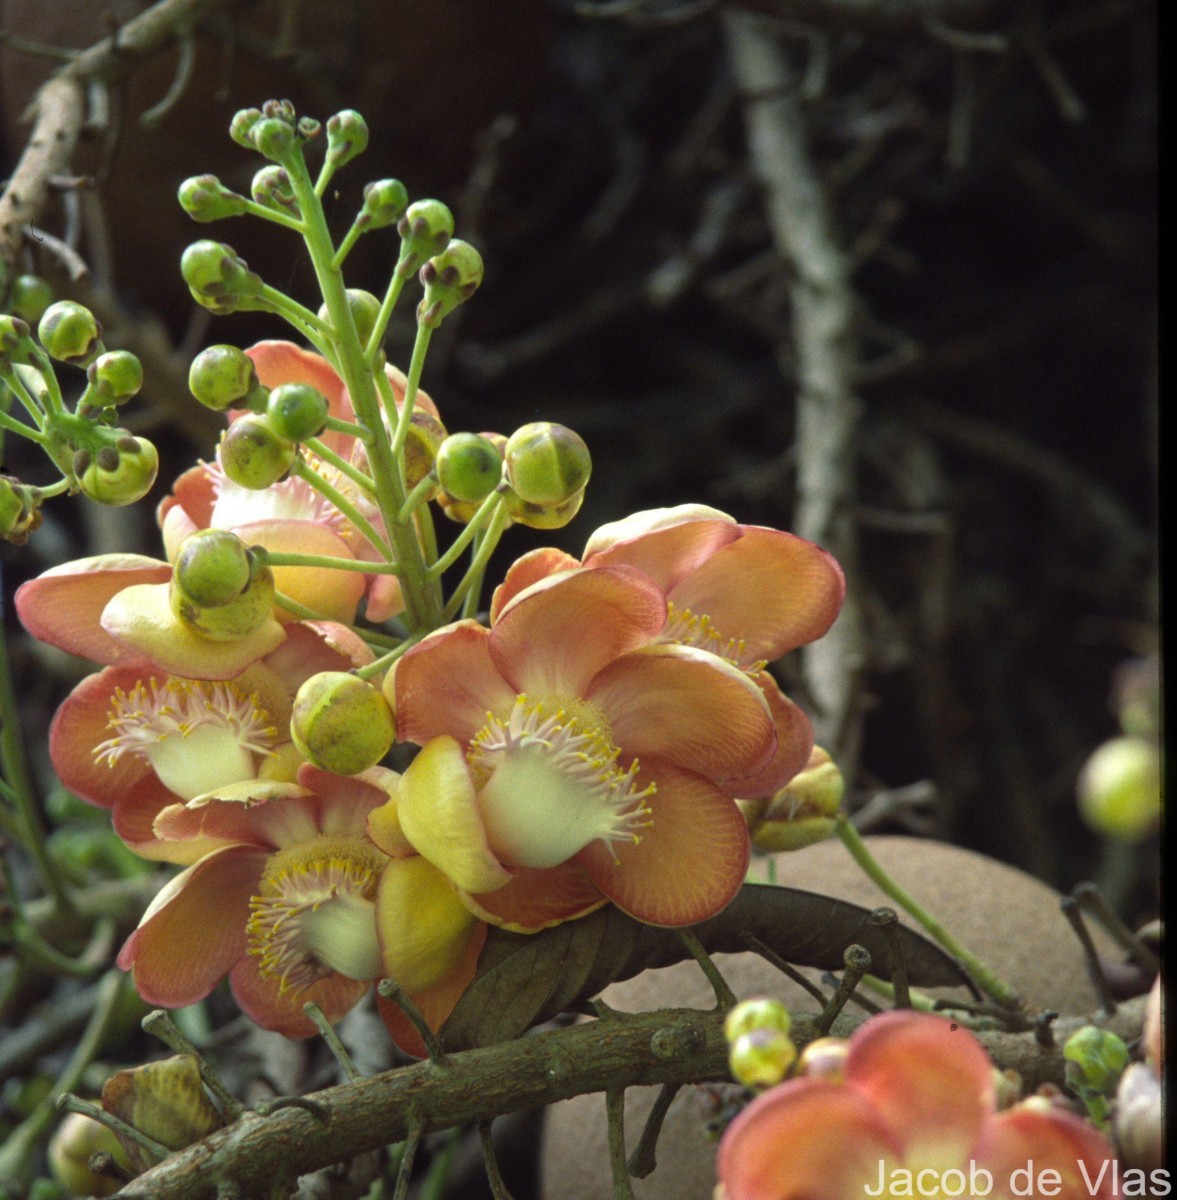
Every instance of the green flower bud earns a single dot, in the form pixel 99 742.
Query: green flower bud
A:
pixel 120 473
pixel 449 278
pixel 308 128
pixel 274 138
pixel 220 588
pixel 15 342
pixel 241 126
pixel 20 510
pixel 76 1139
pixel 214 271
pixel 341 723
pixel 469 467
pixel 760 1013
pixel 1095 1059
pixel 205 198
pixel 271 188
pixel 365 308
pixel 70 333
pixel 116 376
pixel 224 377
pixel 802 812
pixel 385 202
pixel 425 435
pixel 30 297
pixel 297 411
pixel 542 516
pixel 1120 788
pixel 425 230
pixel 253 455
pixel 546 463
pixel 761 1058
pixel 347 136
pixel 824 1058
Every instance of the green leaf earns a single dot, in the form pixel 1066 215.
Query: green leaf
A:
pixel 525 979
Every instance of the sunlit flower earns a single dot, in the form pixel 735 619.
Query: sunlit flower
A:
pixel 136 739
pixel 913 1114
pixel 568 761
pixel 743 592
pixel 294 902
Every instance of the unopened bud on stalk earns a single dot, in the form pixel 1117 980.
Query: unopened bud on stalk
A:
pixel 385 202
pixel 30 297
pixel 365 308
pixel 469 467
pixel 425 230
pixel 341 723
pixel 205 198
pixel 77 1138
pixel 425 436
pixel 274 138
pixel 253 455
pixel 1120 788
pixel 218 277
pixel 271 188
pixel 347 136
pixel 241 126
pixel 15 340
pixel 803 811
pixel 224 377
pixel 120 472
pixel 297 411
pixel 546 463
pixel 115 376
pixel 20 510
pixel 449 278
pixel 70 333
pixel 220 588
pixel 541 516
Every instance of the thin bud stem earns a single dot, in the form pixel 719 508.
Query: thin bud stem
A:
pixel 310 476
pixel 471 582
pixel 328 1034
pixel 391 296
pixel 473 527
pixel 159 1024
pixel 416 366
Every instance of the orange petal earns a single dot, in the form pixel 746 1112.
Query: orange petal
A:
pixel 133 819
pixel 794 742
pixel 666 543
pixel 188 508
pixel 278 362
pixel 141 618
pixel 535 898
pixel 808 1139
pixel 80 724
pixel 436 1003
pixel 63 606
pixel 1053 1140
pixel 260 999
pixel 689 863
pixel 772 590
pixel 523 572
pixel 554 637
pixel 687 707
pixel 930 1079
pixel 447 684
pixel 438 813
pixel 314 646
pixel 194 930
pixel 258 814
pixel 385 598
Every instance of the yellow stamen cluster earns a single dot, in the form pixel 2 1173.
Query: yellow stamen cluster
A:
pixel 696 629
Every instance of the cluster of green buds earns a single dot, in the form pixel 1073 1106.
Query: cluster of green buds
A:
pixel 760 1050
pixel 94 454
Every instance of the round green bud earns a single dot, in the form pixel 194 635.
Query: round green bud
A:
pixel 308 128
pixel 11 504
pixel 30 297
pixel 20 510
pixel 469 467
pixel 271 188
pixel 341 723
pixel 541 516
pixel 78 1137
pixel 212 567
pixel 119 473
pixel 365 308
pixel 275 138
pixel 385 202
pixel 15 342
pixel 70 333
pixel 425 230
pixel 222 377
pixel 1095 1059
pixel 253 455
pixel 205 198
pixel 297 411
pixel 449 278
pixel 241 126
pixel 761 1058
pixel 214 270
pixel 425 436
pixel 1120 788
pixel 760 1013
pixel 546 463
pixel 220 588
pixel 116 376
pixel 347 136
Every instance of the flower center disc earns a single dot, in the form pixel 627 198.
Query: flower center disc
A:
pixel 549 784
pixel 314 913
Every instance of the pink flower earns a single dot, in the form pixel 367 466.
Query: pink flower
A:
pixel 914 1114
pixel 135 739
pixel 568 760
pixel 744 592
pixel 294 902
